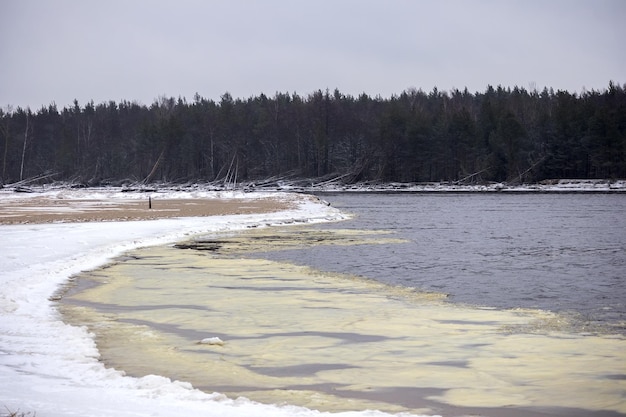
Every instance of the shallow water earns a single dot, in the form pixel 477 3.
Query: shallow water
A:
pixel 332 341
pixel 563 253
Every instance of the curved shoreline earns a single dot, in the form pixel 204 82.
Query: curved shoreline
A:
pixel 51 368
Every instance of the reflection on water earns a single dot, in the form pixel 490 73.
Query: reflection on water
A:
pixel 332 341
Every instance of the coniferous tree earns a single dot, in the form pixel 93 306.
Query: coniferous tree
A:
pixel 501 134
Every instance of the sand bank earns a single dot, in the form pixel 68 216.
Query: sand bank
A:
pixel 52 210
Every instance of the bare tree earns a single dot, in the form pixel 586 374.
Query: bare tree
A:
pixel 4 129
pixel 26 132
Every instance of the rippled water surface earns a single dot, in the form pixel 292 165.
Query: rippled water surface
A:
pixel 554 252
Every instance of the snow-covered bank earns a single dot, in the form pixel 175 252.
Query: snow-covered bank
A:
pixel 313 186
pixel 50 369
pixel 555 186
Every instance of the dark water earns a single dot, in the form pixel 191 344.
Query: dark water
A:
pixel 563 253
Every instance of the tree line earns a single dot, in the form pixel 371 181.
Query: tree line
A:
pixel 501 134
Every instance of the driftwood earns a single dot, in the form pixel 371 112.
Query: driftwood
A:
pixel 334 180
pixel 462 180
pixel 154 168
pixel 230 181
pixel 521 175
pixel 22 189
pixel 32 179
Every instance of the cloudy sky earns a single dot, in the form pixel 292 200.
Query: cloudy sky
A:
pixel 61 50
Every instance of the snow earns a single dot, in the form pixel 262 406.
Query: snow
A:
pixel 49 368
pixel 549 186
pixel 212 341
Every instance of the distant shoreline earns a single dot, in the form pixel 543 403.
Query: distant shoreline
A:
pixel 555 186
pixel 314 186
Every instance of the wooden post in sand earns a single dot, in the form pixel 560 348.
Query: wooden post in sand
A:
pixel 149 202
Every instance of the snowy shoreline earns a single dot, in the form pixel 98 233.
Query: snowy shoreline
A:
pixel 52 369
pixel 200 190
pixel 556 186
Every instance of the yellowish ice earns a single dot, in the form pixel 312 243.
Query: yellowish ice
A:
pixel 291 334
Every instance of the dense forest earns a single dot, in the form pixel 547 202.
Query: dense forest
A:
pixel 503 134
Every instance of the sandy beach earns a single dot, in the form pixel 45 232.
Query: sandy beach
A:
pixel 41 209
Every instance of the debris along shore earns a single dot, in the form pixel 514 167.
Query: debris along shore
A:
pixel 335 184
pixel 548 186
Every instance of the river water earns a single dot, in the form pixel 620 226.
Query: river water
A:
pixel 452 304
pixel 556 252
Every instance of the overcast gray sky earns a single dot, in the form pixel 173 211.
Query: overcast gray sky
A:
pixel 61 50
